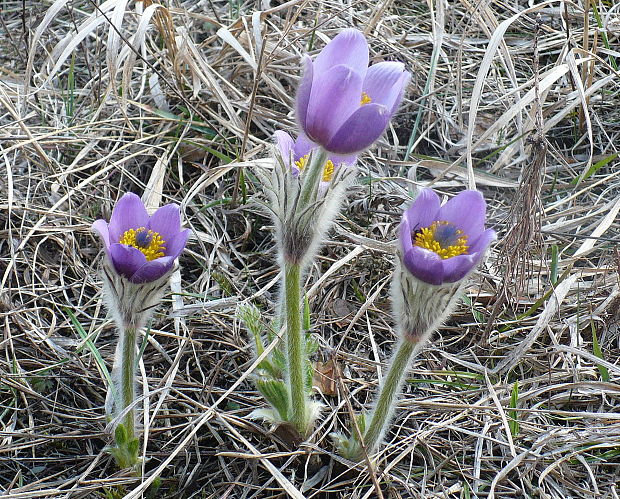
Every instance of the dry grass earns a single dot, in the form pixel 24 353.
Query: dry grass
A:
pixel 186 115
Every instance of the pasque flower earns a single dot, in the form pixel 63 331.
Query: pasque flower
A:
pixel 442 244
pixel 306 188
pixel 142 248
pixel 141 251
pixel 439 246
pixel 342 104
pixel 296 155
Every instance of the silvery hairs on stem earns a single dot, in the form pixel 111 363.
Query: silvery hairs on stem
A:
pixel 131 305
pixel 141 251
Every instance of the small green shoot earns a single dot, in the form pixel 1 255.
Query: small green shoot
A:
pixel 145 340
pixel 513 422
pixel 554 264
pixel 596 349
pixel 91 346
pixel 70 103
pixel 593 169
pixel 476 313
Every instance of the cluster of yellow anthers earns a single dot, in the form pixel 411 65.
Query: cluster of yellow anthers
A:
pixel 443 238
pixel 328 170
pixel 147 241
pixel 365 99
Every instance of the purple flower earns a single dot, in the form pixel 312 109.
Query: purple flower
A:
pixel 142 248
pixel 296 153
pixel 342 104
pixel 443 244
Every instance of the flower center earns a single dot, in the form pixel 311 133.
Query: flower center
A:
pixel 365 99
pixel 147 241
pixel 443 238
pixel 328 169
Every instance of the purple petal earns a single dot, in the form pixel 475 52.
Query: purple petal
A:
pixel 285 146
pixel 126 259
pixel 425 265
pixel 153 270
pixel 402 84
pixel 423 211
pixel 335 96
pixel 467 211
pixel 482 242
pixel 348 48
pixel 362 128
pixel 128 213
pixel 303 145
pixel 101 227
pixel 303 92
pixel 457 267
pixel 166 221
pixel 176 244
pixel 405 236
pixel 384 83
pixel 348 160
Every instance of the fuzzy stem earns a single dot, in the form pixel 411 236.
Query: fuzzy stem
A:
pixel 390 388
pixel 295 345
pixel 318 158
pixel 127 382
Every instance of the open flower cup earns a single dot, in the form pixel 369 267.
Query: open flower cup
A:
pixel 443 244
pixel 142 248
pixel 344 105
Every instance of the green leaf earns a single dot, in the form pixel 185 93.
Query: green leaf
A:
pixel 361 422
pixel 312 345
pixel 91 346
pixel 132 446
pixel 206 131
pixel 120 435
pixel 513 423
pixel 251 317
pixel 554 263
pixel 596 349
pixel 276 393
pixel 594 168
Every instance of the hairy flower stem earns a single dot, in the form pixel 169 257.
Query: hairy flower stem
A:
pixel 295 348
pixel 318 158
pixel 127 382
pixel 390 388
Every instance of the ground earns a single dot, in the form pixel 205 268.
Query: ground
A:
pixel 515 396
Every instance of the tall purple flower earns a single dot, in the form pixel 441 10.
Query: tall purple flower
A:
pixel 296 154
pixel 439 247
pixel 140 247
pixel 342 104
pixel 443 244
pixel 140 250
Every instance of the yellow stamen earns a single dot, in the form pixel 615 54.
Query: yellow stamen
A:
pixel 365 99
pixel 328 170
pixel 450 242
pixel 147 241
pixel 302 162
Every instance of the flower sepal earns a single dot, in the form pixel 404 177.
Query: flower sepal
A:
pixel 128 302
